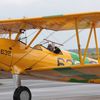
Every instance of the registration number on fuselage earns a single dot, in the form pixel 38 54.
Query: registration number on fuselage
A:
pixel 5 52
pixel 62 61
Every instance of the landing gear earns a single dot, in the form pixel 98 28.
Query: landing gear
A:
pixel 21 92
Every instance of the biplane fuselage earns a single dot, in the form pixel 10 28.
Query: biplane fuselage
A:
pixel 14 55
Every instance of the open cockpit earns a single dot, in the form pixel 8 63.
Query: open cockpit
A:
pixel 52 46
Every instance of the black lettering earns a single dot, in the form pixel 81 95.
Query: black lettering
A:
pixel 2 51
pixel 60 61
pixel 5 52
pixel 9 53
pixel 68 60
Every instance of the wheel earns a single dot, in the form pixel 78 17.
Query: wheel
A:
pixel 22 93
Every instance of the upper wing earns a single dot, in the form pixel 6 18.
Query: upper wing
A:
pixel 57 23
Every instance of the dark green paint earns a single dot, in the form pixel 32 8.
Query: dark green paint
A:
pixel 52 16
pixel 78 81
pixel 71 72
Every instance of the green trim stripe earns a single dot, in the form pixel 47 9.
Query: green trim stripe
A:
pixel 52 16
pixel 73 72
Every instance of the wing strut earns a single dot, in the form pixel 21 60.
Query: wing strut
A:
pixel 10 35
pixel 96 42
pixel 93 29
pixel 78 41
pixel 88 41
pixel 17 36
pixel 34 38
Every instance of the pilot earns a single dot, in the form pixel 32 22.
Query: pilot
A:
pixel 50 47
pixel 57 50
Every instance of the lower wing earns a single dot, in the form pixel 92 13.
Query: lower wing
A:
pixel 88 73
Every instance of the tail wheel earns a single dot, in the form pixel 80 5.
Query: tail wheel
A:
pixel 22 93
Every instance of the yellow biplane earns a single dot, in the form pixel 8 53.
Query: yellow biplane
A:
pixel 49 63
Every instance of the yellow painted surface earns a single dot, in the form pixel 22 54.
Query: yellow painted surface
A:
pixel 22 59
pixel 58 23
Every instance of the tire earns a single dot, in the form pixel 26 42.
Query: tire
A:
pixel 22 93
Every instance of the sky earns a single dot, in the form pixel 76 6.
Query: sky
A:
pixel 34 8
pixel 31 8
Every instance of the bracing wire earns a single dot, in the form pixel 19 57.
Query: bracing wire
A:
pixel 28 35
pixel 71 37
pixel 50 34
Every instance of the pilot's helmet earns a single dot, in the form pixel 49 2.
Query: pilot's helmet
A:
pixel 50 47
